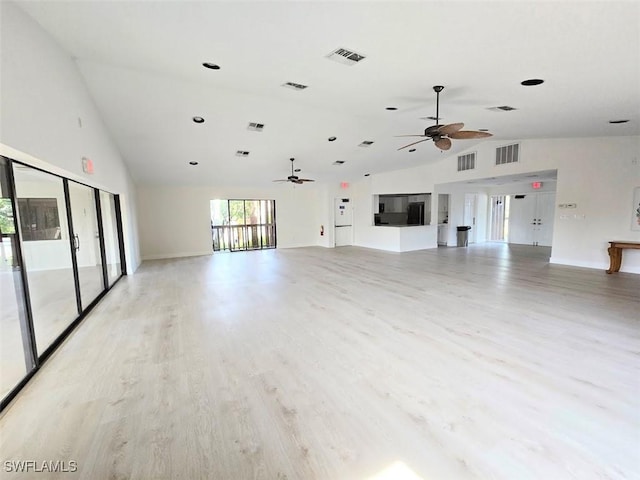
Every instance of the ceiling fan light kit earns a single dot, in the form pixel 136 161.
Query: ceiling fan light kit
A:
pixel 441 135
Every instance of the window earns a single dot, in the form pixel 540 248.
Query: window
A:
pixel 39 219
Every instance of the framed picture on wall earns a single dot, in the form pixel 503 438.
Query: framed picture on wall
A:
pixel 635 209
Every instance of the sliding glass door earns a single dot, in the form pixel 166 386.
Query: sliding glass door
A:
pixel 86 242
pixel 239 225
pixel 60 251
pixel 46 248
pixel 16 355
pixel 111 239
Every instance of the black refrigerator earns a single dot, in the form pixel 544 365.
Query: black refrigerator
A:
pixel 416 213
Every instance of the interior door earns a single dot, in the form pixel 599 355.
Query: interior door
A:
pixel 522 214
pixel 545 212
pixel 469 214
pixel 343 222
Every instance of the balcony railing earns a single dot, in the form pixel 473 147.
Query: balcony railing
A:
pixel 243 237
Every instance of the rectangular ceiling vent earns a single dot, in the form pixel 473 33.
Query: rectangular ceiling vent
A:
pixel 345 56
pixel 507 154
pixel 338 162
pixel 256 127
pixel 295 86
pixel 242 153
pixel 467 162
pixel 366 143
pixel 502 108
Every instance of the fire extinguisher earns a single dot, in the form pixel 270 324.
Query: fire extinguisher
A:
pixel 321 230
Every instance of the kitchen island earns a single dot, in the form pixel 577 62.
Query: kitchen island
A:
pixel 406 238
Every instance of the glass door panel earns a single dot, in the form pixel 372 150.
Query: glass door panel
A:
pixel 16 359
pixel 110 232
pixel 237 222
pixel 46 252
pixel 86 241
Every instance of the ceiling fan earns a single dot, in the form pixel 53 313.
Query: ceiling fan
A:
pixel 294 178
pixel 442 134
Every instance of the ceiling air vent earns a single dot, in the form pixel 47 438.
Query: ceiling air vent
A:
pixel 295 86
pixel 345 56
pixel 366 143
pixel 503 108
pixel 467 162
pixel 256 127
pixel 242 153
pixel 338 162
pixel 507 154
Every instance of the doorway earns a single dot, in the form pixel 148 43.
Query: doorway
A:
pixel 241 225
pixel 532 218
pixel 470 214
pixel 343 222
pixel 500 209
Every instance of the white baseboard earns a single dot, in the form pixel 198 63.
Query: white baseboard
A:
pixel 164 256
pixel 594 265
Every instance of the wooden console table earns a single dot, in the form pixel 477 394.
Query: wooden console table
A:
pixel 615 254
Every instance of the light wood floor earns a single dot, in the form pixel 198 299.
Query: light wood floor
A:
pixel 311 363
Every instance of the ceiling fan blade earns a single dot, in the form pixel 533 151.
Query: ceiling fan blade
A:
pixel 409 135
pixel 468 134
pixel 451 128
pixel 281 180
pixel 305 180
pixel 419 141
pixel 443 143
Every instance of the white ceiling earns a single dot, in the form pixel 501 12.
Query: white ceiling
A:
pixel 142 64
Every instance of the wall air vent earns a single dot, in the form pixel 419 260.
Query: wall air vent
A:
pixel 503 108
pixel 295 86
pixel 366 143
pixel 507 154
pixel 338 162
pixel 256 127
pixel 345 56
pixel 467 162
pixel 242 153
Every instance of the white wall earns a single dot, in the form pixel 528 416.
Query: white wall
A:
pixel 598 174
pixel 48 119
pixel 176 221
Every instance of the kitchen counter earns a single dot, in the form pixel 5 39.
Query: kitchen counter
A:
pixel 405 238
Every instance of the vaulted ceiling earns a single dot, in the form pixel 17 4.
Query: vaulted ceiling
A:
pixel 142 62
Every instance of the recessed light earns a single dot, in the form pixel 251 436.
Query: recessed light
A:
pixel 412 150
pixel 391 108
pixel 193 163
pixel 338 162
pixel 210 65
pixel 531 82
pixel 298 170
pixel 198 119
pixel 366 143
pixel 367 174
pixel 615 122
pixel 332 139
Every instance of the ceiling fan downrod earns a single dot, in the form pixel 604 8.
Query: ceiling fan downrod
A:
pixel 438 89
